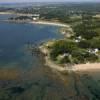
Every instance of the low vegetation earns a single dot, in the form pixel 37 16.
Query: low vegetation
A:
pixel 67 51
pixel 82 47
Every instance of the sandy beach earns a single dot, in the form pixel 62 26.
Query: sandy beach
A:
pixel 62 25
pixel 41 23
pixel 38 22
pixel 14 13
pixel 6 13
pixel 50 23
pixel 75 68
pixel 87 67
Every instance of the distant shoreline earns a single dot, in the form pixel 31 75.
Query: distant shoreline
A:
pixel 5 13
pixel 50 23
pixel 43 22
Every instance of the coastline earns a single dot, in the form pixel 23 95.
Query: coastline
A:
pixel 43 22
pixel 88 67
pixel 5 13
pixel 50 23
pixel 67 68
pixel 63 26
pixel 51 64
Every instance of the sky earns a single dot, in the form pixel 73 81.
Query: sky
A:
pixel 48 1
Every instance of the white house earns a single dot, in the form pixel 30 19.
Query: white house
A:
pixel 63 56
pixel 79 37
pixel 77 41
pixel 35 17
pixel 94 51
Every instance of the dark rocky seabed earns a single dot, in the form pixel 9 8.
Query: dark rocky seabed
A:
pixel 23 75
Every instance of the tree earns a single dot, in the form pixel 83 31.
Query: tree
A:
pixel 61 47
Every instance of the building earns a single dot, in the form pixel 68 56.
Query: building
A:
pixel 93 51
pixel 35 17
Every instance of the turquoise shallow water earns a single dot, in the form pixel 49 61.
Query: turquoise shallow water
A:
pixel 23 75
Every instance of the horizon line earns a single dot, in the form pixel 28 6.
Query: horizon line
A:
pixel 55 2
